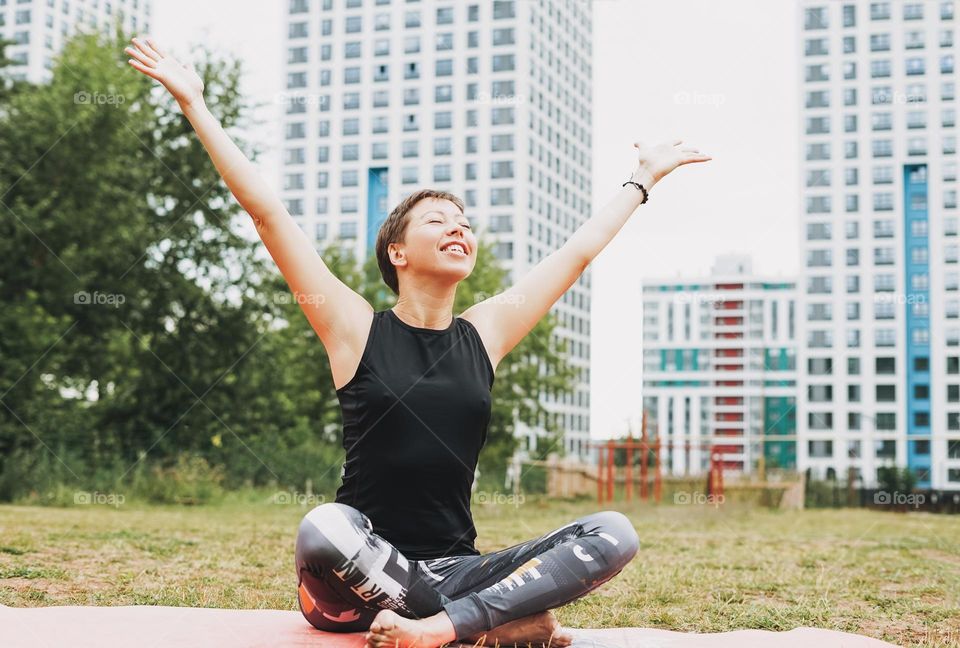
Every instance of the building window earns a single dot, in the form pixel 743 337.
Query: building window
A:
pixel 503 9
pixel 443 119
pixel 348 229
pixel 849 15
pixel 503 62
pixel 815 18
pixel 445 15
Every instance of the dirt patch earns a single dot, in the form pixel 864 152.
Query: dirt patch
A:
pixel 941 557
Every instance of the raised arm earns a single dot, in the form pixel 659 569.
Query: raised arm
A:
pixel 337 313
pixel 503 320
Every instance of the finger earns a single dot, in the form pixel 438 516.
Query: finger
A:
pixel 135 53
pixel 149 71
pixel 143 52
pixel 695 158
pixel 143 49
pixel 152 43
pixel 149 51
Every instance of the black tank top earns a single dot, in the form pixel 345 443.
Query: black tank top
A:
pixel 415 416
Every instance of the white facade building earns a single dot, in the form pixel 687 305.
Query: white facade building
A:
pixel 39 28
pixel 719 371
pixel 880 318
pixel 489 100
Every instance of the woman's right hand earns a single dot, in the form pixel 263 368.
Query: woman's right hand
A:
pixel 181 80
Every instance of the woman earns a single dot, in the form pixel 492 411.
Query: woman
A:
pixel 394 554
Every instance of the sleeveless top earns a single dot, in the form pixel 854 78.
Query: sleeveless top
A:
pixel 415 417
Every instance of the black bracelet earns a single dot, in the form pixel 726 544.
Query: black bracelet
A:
pixel 638 186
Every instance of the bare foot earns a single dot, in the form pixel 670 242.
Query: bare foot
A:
pixel 389 629
pixel 541 629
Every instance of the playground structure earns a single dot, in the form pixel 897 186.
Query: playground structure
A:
pixel 630 467
pixel 649 453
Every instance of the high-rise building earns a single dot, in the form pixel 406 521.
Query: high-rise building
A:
pixel 880 323
pixel 489 100
pixel 39 28
pixel 719 369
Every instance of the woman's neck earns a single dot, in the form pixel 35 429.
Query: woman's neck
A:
pixel 431 313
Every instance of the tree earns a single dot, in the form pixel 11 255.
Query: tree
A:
pixel 141 326
pixel 119 253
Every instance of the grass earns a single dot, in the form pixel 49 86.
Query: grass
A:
pixel 895 577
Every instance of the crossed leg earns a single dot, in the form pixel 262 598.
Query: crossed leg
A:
pixel 492 593
pixel 348 574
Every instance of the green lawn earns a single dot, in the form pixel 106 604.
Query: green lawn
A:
pixel 891 576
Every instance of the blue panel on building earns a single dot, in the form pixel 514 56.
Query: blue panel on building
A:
pixel 916 314
pixel 376 204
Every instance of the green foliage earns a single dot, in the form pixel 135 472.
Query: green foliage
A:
pixel 148 348
pixel 893 479
pixel 190 480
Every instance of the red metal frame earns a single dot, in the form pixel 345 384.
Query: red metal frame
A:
pixel 606 467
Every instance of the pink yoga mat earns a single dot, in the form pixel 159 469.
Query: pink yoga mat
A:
pixel 156 627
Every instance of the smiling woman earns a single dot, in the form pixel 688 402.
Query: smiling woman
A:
pixel 395 552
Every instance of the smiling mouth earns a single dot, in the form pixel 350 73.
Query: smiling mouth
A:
pixel 456 249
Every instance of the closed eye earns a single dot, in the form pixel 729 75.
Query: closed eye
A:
pixel 437 220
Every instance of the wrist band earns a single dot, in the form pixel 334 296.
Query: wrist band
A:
pixel 638 186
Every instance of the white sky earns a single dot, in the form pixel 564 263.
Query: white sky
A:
pixel 722 76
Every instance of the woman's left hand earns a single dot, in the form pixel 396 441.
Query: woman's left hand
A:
pixel 657 161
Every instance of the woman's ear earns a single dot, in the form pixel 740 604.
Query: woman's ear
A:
pixel 396 255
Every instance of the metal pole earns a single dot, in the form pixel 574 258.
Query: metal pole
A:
pixel 644 456
pixel 657 481
pixel 599 448
pixel 610 470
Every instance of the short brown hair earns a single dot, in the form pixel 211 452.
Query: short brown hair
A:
pixel 393 228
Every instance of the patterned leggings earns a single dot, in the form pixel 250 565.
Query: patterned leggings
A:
pixel 347 573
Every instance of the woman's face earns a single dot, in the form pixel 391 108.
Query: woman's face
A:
pixel 434 227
